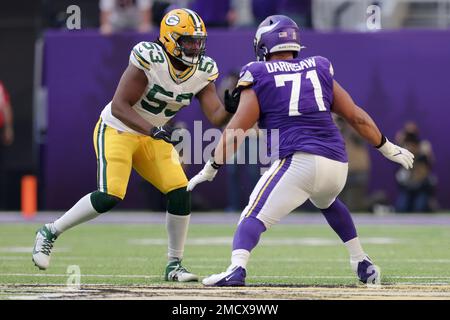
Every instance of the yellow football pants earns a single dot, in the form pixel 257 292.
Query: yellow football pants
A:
pixel 117 152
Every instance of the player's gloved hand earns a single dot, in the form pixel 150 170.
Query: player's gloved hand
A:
pixel 207 174
pixel 163 133
pixel 396 153
pixel 232 100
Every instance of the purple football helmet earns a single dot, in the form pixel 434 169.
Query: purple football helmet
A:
pixel 276 33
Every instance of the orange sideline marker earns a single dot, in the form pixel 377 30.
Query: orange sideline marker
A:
pixel 29 196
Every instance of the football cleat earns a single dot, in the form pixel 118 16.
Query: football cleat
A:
pixel 176 272
pixel 43 247
pixel 233 277
pixel 366 271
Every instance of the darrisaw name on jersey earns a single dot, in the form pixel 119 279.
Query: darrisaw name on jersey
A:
pixel 290 66
pixel 180 309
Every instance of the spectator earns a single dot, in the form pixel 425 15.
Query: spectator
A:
pixel 6 135
pixel 161 7
pixel 244 16
pixel 54 15
pixel 353 15
pixel 411 131
pixel 263 8
pixel 355 193
pixel 417 186
pixel 298 10
pixel 118 15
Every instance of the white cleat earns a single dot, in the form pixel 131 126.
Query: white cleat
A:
pixel 176 272
pixel 366 271
pixel 233 277
pixel 43 247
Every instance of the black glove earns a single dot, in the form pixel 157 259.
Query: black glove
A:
pixel 163 133
pixel 232 100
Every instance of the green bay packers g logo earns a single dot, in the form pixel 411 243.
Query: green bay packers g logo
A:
pixel 172 20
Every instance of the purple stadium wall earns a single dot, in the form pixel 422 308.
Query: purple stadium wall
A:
pixel 395 76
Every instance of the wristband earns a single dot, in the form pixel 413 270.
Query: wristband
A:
pixel 383 141
pixel 215 165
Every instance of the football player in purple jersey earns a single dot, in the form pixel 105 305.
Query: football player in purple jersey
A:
pixel 296 96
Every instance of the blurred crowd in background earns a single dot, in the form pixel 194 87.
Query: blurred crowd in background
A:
pixel 416 187
pixel 144 15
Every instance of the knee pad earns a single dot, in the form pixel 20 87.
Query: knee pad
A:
pixel 179 202
pixel 103 202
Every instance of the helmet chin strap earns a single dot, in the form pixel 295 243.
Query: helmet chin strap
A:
pixel 184 58
pixel 176 62
pixel 185 61
pixel 191 61
pixel 265 53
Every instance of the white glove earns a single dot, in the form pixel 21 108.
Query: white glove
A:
pixel 207 174
pixel 397 154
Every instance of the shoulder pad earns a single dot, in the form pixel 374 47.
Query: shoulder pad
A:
pixel 144 54
pixel 325 64
pixel 209 67
pixel 246 76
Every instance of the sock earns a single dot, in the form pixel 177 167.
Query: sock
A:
pixel 81 212
pixel 248 233
pixel 240 258
pixel 339 218
pixel 177 228
pixel 355 250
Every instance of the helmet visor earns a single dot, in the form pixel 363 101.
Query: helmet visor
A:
pixel 192 46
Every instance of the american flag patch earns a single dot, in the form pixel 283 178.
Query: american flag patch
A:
pixel 282 34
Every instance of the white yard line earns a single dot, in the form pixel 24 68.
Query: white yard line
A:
pixel 227 259
pixel 137 286
pixel 28 257
pixel 252 277
pixel 304 241
pixel 29 249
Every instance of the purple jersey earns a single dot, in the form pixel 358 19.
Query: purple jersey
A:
pixel 295 97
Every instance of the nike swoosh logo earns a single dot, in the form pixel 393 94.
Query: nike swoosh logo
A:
pixel 397 154
pixel 228 278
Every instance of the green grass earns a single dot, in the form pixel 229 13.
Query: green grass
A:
pixel 414 254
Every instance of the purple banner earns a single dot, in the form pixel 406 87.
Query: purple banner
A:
pixel 395 76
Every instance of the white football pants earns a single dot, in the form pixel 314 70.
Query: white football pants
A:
pixel 290 182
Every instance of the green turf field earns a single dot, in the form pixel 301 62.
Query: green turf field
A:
pixel 288 255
